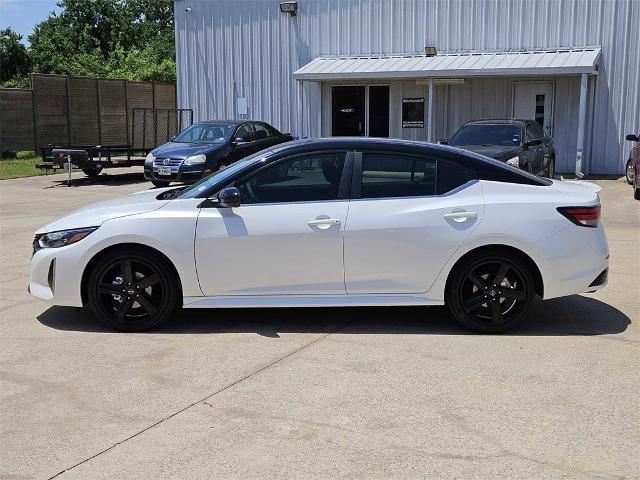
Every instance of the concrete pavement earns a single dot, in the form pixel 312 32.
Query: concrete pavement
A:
pixel 315 393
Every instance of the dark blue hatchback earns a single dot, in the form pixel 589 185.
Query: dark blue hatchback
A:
pixel 206 147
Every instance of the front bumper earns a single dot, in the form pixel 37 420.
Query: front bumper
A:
pixel 177 175
pixel 55 277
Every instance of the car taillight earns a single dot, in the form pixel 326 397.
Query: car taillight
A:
pixel 583 216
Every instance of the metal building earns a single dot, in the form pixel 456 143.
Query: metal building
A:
pixel 367 67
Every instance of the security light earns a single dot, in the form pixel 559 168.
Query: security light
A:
pixel 430 51
pixel 290 7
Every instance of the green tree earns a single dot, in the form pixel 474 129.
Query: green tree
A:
pixel 14 59
pixel 133 39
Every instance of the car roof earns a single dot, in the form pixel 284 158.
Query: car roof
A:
pixel 218 122
pixel 479 163
pixel 499 121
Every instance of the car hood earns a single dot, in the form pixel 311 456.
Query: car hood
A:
pixel 184 150
pixel 499 152
pixel 97 213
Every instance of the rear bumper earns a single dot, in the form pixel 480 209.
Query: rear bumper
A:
pixel 576 259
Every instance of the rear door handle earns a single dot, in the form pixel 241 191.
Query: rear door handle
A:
pixel 460 216
pixel 323 221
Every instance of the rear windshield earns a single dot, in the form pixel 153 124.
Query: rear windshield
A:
pixel 506 134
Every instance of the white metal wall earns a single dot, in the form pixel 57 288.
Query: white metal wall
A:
pixel 247 48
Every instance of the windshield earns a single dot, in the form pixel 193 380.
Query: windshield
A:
pixel 220 178
pixel 206 133
pixel 506 134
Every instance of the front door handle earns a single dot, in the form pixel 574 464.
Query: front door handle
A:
pixel 323 221
pixel 460 216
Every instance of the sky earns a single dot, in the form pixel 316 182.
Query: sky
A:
pixel 22 15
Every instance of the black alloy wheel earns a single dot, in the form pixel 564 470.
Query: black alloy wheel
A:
pixel 551 168
pixel 491 293
pixel 628 171
pixel 130 290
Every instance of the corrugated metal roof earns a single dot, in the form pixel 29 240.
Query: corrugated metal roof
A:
pixel 459 64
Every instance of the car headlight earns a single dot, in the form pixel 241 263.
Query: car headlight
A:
pixel 61 238
pixel 195 160
pixel 515 161
pixel 149 160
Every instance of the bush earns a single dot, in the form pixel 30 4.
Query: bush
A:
pixel 25 154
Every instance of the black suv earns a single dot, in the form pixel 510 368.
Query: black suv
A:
pixel 206 147
pixel 520 143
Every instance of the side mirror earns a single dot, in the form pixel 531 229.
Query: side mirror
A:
pixel 632 138
pixel 240 140
pixel 444 141
pixel 229 197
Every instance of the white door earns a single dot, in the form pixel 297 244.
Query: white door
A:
pixel 534 101
pixel 412 214
pixel 285 238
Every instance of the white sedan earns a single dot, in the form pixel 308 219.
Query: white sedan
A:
pixel 331 222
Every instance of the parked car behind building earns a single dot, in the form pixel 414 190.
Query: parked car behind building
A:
pixel 521 143
pixel 205 147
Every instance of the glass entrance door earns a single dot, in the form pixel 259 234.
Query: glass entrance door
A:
pixel 348 111
pixel 534 101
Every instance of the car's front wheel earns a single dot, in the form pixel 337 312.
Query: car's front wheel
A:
pixel 629 171
pixel 132 290
pixel 551 168
pixel 491 292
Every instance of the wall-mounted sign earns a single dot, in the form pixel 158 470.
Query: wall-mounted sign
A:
pixel 413 113
pixel 242 105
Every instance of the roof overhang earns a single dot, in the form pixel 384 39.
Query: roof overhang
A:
pixel 561 61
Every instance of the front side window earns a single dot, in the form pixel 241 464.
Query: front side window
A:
pixel 386 175
pixel 308 178
pixel 245 133
pixel 486 134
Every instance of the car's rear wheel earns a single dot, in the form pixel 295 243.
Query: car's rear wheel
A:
pixel 92 172
pixel 491 292
pixel 159 184
pixel 131 290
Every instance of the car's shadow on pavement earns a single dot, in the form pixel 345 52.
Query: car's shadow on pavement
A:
pixel 111 179
pixel 575 315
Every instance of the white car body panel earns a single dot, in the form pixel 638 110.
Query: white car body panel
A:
pixel 399 245
pixel 382 252
pixel 271 249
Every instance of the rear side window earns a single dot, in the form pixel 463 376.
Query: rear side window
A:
pixel 262 131
pixel 450 176
pixel 392 176
pixel 385 175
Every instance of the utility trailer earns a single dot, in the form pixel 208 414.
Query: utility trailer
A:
pixel 91 159
pixel 150 127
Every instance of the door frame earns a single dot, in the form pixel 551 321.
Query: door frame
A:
pixel 366 101
pixel 552 83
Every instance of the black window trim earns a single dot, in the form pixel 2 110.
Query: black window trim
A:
pixel 343 188
pixel 356 175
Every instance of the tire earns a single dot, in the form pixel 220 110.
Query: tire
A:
pixel 468 287
pixel 159 184
pixel 131 290
pixel 92 171
pixel 551 168
pixel 636 193
pixel 628 172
